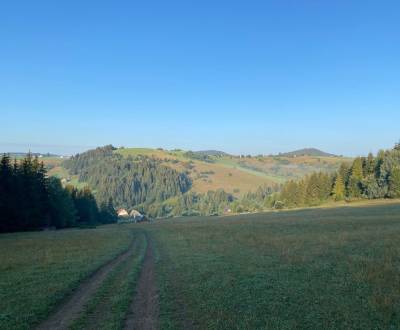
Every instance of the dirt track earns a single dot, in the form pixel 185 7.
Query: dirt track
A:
pixel 69 311
pixel 144 310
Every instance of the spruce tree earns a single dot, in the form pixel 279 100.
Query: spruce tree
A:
pixel 61 205
pixel 370 164
pixel 394 183
pixel 354 185
pixel 339 190
pixel 7 194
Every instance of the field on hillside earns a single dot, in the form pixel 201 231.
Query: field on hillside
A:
pixel 317 268
pixel 235 175
pixel 238 175
pixel 320 269
pixel 38 269
pixel 61 173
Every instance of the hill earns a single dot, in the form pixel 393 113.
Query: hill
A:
pixel 212 153
pixel 238 175
pixel 312 152
pixel 172 182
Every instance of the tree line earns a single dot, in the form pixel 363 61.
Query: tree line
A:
pixel 191 204
pixel 370 177
pixel 30 200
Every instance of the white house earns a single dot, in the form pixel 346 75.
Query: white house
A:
pixel 136 215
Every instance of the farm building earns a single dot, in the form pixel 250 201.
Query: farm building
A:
pixel 136 215
pixel 122 213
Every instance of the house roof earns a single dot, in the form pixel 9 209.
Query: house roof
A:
pixel 122 212
pixel 135 213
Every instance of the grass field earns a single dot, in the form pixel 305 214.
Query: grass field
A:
pixel 37 270
pixel 61 173
pixel 334 268
pixel 320 269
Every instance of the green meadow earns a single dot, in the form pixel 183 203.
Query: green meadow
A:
pixel 39 269
pixel 318 268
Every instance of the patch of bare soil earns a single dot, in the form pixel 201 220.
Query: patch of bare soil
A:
pixel 144 310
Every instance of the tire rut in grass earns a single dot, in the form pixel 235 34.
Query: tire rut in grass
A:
pixel 108 307
pixel 70 310
pixel 144 311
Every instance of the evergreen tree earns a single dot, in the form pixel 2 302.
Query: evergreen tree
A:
pixel 86 206
pixel 339 189
pixel 394 183
pixel 371 188
pixel 107 212
pixel 30 201
pixel 62 208
pixel 370 165
pixel 354 185
pixel 7 195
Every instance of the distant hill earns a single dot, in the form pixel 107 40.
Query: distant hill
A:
pixel 213 169
pixel 34 154
pixel 312 152
pixel 212 153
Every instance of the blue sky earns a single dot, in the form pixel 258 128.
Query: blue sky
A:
pixel 241 76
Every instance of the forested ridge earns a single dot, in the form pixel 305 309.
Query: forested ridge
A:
pixel 31 200
pixel 371 177
pixel 157 190
pixel 131 182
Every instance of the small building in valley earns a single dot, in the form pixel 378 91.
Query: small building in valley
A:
pixel 136 215
pixel 122 213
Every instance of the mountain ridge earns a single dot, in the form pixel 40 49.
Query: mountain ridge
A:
pixel 312 152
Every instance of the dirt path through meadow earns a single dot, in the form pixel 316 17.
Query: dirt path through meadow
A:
pixel 71 308
pixel 144 310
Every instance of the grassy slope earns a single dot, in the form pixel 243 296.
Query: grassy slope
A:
pixel 334 268
pixel 239 175
pixel 38 269
pixel 234 163
pixel 61 173
pixel 226 177
pixel 145 152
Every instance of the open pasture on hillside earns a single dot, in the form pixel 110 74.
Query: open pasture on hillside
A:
pixel 319 269
pixel 238 175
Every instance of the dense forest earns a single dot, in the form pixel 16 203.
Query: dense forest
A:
pixel 132 182
pixel 31 200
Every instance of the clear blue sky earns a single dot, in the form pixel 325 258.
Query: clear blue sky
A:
pixel 241 76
